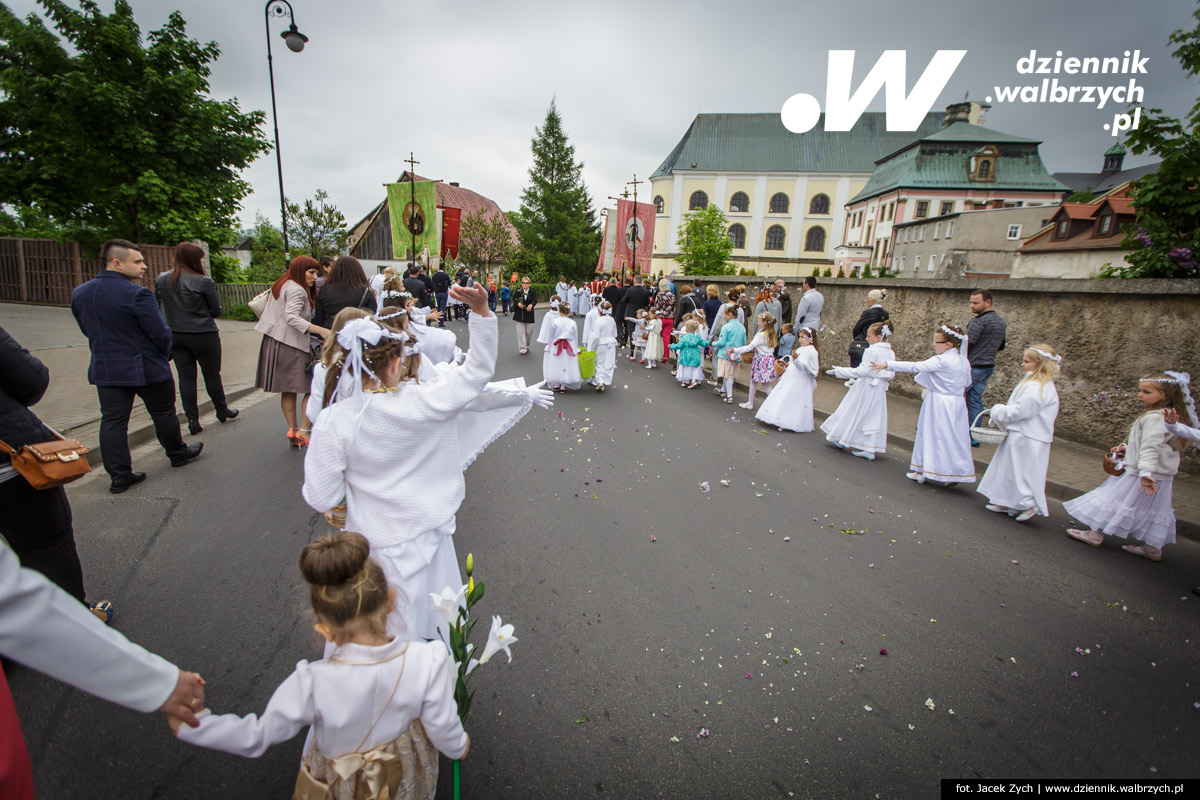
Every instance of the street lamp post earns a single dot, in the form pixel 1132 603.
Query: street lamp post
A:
pixel 295 42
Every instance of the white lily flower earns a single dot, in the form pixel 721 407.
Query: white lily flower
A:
pixel 448 602
pixel 471 665
pixel 499 638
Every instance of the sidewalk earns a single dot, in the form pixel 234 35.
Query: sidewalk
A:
pixel 70 405
pixel 1074 468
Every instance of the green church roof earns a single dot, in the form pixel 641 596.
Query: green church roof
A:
pixel 942 161
pixel 760 143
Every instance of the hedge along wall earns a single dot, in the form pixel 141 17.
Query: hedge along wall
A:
pixel 1109 332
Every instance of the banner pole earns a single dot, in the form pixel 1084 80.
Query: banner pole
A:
pixel 457 780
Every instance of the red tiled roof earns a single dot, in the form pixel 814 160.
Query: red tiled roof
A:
pixel 1078 210
pixel 1121 206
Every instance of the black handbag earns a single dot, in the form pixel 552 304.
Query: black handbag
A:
pixel 858 347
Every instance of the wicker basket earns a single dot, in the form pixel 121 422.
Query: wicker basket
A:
pixel 748 358
pixel 986 435
pixel 781 365
pixel 1109 463
pixel 336 517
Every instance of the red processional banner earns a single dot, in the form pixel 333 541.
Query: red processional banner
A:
pixel 451 220
pixel 635 234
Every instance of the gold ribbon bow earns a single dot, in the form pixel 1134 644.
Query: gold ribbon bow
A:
pixel 378 771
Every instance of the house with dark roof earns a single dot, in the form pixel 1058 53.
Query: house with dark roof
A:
pixel 784 193
pixel 1112 176
pixel 371 237
pixel 1080 240
pixel 961 167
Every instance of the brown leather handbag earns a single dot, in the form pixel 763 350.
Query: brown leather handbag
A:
pixel 49 464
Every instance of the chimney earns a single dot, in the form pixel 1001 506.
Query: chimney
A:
pixel 454 183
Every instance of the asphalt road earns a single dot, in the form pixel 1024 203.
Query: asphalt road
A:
pixel 649 610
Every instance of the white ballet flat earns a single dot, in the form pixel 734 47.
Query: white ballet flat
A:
pixel 997 509
pixel 1026 515
pixel 864 454
pixel 915 476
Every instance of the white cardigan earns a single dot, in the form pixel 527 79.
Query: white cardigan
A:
pixel 341 696
pixel 1148 448
pixel 394 456
pixel 46 629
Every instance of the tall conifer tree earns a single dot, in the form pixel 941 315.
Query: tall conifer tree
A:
pixel 557 219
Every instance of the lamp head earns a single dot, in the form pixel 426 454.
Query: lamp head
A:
pixel 294 38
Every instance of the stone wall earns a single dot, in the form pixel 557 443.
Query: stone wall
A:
pixel 1110 333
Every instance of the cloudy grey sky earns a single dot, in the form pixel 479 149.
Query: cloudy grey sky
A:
pixel 463 83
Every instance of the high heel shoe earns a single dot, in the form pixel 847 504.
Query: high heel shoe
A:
pixel 292 438
pixel 194 426
pixel 302 436
pixel 227 414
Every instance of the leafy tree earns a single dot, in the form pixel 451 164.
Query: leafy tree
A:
pixel 704 243
pixel 225 269
pixel 529 263
pixel 1164 240
pixel 266 251
pixel 484 240
pixel 1082 196
pixel 103 135
pixel 556 218
pixel 317 228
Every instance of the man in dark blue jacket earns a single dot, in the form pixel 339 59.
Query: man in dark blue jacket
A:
pixel 131 348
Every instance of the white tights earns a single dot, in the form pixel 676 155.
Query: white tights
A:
pixel 767 387
pixel 728 387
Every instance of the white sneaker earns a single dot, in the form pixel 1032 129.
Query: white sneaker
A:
pixel 649 366
pixel 915 476
pixel 749 405
pixel 1026 515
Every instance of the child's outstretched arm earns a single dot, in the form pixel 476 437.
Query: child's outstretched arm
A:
pixel 288 711
pixel 1177 428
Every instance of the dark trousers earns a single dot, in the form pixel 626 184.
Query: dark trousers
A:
pixel 505 305
pixel 442 299
pixel 188 350
pixel 116 404
pixel 37 524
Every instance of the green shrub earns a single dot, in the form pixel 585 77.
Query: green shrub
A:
pixel 816 273
pixel 866 273
pixel 241 313
pixel 828 273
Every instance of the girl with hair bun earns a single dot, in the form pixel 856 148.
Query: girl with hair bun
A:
pixel 1015 480
pixel 942 450
pixel 860 421
pixel 377 698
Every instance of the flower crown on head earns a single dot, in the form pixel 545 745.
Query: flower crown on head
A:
pixel 1044 354
pixel 951 332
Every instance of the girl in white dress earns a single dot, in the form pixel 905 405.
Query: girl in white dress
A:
pixel 376 698
pixel 556 303
pixel 390 451
pixel 639 337
pixel 560 365
pixel 789 406
pixel 1137 503
pixel 602 340
pixel 942 450
pixel 572 298
pixel 762 369
pixel 654 341
pixel 589 319
pixel 860 421
pixel 1015 480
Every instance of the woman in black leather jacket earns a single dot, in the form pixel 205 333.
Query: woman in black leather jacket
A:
pixel 875 312
pixel 189 302
pixel 36 522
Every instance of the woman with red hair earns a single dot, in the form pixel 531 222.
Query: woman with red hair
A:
pixel 286 324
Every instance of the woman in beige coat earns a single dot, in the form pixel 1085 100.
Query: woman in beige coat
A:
pixel 285 355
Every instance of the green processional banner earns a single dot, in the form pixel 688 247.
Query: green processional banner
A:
pixel 414 215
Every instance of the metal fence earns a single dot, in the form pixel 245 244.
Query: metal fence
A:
pixel 45 271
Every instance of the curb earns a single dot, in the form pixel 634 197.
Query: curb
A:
pixel 1186 529
pixel 145 432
